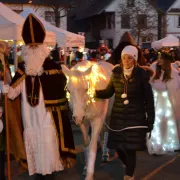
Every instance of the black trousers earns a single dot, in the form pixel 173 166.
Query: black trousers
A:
pixel 2 165
pixel 45 177
pixel 128 157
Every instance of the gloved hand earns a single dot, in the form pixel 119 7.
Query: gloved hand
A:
pixel 4 88
pixel 1 126
pixel 149 135
pixel 150 127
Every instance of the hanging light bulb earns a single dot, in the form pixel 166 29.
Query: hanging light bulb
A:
pixel 126 102
pixel 124 95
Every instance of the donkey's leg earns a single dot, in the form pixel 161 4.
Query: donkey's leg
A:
pixel 96 125
pixel 86 140
pixel 105 155
pixel 105 150
pixel 84 130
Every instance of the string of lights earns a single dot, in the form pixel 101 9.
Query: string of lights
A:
pixel 164 135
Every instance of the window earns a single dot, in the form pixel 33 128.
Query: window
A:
pixel 110 20
pixel 50 17
pixel 143 39
pixel 125 21
pixel 179 22
pixel 146 39
pixel 142 21
pixel 110 43
pixel 130 3
pixel 99 22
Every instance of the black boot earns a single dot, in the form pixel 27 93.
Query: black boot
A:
pixel 49 177
pixel 39 177
pixel 2 165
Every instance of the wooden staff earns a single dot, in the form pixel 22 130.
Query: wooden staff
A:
pixel 6 118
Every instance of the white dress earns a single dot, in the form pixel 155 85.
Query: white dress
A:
pixel 164 136
pixel 41 142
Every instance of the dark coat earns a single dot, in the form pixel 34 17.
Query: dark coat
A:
pixel 139 111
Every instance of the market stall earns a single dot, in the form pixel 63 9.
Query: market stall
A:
pixel 11 27
pixel 64 38
pixel 169 41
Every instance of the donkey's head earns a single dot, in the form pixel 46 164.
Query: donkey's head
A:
pixel 77 86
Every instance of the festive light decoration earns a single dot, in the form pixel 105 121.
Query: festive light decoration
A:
pixel 126 102
pixel 92 80
pixel 164 134
pixel 124 96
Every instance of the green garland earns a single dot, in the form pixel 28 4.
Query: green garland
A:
pixel 166 56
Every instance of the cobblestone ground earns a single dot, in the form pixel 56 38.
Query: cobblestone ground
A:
pixel 164 167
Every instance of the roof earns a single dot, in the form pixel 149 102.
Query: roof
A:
pixel 162 4
pixel 39 2
pixel 90 9
pixel 97 6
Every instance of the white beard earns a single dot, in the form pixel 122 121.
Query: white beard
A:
pixel 34 59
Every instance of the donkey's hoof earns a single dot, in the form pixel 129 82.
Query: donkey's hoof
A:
pixel 105 159
pixel 84 173
pixel 89 177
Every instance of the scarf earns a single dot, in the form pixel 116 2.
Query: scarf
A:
pixel 127 72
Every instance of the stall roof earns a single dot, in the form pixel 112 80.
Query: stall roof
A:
pixel 64 38
pixel 38 2
pixel 11 26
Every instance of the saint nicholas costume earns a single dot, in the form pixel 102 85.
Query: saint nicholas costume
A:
pixel 47 132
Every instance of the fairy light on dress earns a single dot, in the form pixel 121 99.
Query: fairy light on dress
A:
pixel 164 116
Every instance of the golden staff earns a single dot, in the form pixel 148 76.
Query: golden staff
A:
pixel 6 118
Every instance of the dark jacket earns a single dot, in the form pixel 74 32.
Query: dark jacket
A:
pixel 139 111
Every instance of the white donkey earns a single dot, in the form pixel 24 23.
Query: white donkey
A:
pixel 83 80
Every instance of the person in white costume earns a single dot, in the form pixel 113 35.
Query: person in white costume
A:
pixel 47 132
pixel 166 88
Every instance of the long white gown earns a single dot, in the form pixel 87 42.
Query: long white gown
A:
pixel 164 137
pixel 40 139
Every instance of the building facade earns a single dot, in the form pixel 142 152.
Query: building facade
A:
pixel 109 19
pixel 173 19
pixel 43 10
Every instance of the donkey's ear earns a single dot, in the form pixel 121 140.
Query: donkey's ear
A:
pixel 87 72
pixel 66 71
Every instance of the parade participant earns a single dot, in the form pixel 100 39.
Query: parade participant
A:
pixel 99 57
pixel 166 86
pixel 14 117
pixel 93 56
pixel 125 40
pixel 73 63
pixel 4 50
pixel 80 57
pixel 133 108
pixel 176 65
pixel 102 49
pixel 47 132
pixel 2 143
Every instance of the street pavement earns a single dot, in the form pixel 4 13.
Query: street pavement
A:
pixel 164 167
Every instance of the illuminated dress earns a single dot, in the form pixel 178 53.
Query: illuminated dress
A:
pixel 164 137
